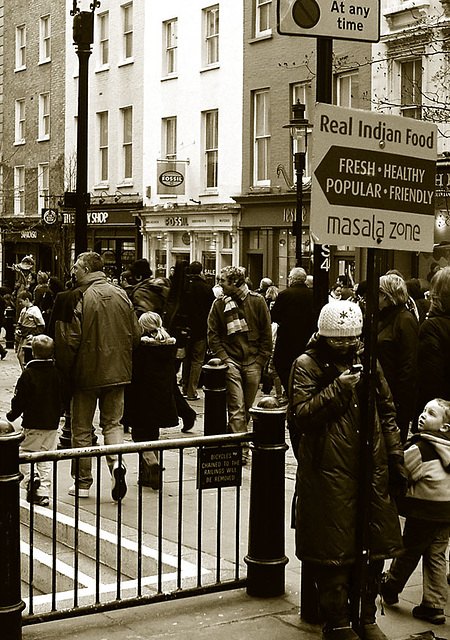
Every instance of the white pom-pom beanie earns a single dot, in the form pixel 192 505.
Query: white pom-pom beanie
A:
pixel 340 319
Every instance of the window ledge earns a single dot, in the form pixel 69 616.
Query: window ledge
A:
pixel 43 139
pixel 104 67
pixel 209 192
pixel 172 76
pixel 18 143
pixel 104 186
pixel 263 36
pixel 46 61
pixel 210 67
pixel 126 62
pixel 20 69
pixel 125 185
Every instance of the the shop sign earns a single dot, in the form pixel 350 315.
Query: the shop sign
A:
pixel 171 178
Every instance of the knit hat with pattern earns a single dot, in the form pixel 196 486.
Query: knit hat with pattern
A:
pixel 339 319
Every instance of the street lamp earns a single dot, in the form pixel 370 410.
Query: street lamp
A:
pixel 298 127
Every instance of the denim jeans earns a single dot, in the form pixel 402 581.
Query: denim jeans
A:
pixel 242 383
pixel 84 403
pixel 192 366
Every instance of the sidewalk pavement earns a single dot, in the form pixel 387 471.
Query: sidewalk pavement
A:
pixel 219 616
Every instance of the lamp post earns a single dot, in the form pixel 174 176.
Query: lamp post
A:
pixel 298 127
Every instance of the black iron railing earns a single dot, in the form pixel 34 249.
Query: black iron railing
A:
pixel 83 556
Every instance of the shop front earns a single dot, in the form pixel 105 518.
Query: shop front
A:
pixel 32 238
pixel 113 231
pixel 206 233
pixel 268 243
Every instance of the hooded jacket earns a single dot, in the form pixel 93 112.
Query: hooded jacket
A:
pixel 427 460
pixel 94 344
pixel 327 417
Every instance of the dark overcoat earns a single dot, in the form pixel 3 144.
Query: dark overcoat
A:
pixel 293 312
pixel 328 419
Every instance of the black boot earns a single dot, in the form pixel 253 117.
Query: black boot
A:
pixel 150 475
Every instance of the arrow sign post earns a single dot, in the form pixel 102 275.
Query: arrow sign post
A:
pixel 373 180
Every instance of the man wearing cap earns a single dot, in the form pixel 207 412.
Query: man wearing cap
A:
pixel 239 333
pixel 94 340
pixel 325 413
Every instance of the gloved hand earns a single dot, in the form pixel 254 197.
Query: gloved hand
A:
pixel 398 478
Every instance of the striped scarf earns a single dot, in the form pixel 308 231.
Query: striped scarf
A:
pixel 234 317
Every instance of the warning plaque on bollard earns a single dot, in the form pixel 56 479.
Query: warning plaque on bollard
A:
pixel 219 466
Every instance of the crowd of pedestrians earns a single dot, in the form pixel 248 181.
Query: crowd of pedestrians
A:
pixel 135 351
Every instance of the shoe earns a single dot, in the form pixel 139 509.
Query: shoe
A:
pixel 32 487
pixel 4 354
pixel 435 616
pixel 387 593
pixel 119 486
pixel 188 423
pixel 339 633
pixel 151 477
pixel 192 398
pixel 373 632
pixel 42 501
pixel 82 493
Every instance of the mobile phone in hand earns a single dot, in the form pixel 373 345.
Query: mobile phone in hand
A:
pixel 356 368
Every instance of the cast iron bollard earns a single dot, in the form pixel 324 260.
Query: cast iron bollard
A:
pixel 11 604
pixel 214 374
pixel 8 323
pixel 266 560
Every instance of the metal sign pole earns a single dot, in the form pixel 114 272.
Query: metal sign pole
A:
pixel 367 422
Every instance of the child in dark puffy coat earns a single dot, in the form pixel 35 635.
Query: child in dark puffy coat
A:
pixel 149 399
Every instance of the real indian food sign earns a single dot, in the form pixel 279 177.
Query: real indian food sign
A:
pixel 373 179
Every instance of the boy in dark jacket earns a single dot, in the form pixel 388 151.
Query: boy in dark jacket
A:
pixel 427 510
pixel 40 397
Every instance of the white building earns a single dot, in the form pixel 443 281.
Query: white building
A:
pixel 115 124
pixel 192 132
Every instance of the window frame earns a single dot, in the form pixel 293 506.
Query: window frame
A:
pixel 352 95
pixel 45 39
pixel 103 145
pixel 259 6
pixel 21 48
pixel 170 36
pixel 412 109
pixel 265 137
pixel 44 116
pixel 127 143
pixel 19 126
pixel 169 137
pixel 43 185
pixel 128 33
pixel 103 38
pixel 211 151
pixel 19 190
pixel 211 38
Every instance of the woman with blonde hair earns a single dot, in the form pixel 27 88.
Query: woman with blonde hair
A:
pixel 398 342
pixel 434 343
